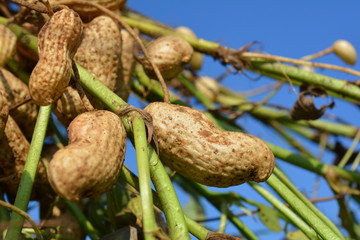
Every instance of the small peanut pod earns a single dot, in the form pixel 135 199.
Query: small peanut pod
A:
pixel 4 111
pixel 91 163
pixel 170 54
pixel 7 44
pixel 193 146
pixel 88 12
pixel 57 43
pixel 127 63
pixel 17 91
pixel 197 57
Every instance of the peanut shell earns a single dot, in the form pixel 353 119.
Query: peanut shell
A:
pixel 57 43
pixel 87 13
pixel 4 111
pixel 17 91
pixel 7 44
pixel 91 163
pixel 170 54
pixel 193 146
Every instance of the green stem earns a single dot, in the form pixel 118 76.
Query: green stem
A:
pixel 340 88
pixel 282 177
pixel 312 164
pixel 295 219
pixel 217 199
pixel 302 209
pixel 350 151
pixel 196 229
pixel 169 201
pixel 195 92
pixel 29 173
pixel 83 221
pixel 142 157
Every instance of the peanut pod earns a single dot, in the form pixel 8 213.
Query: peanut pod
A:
pixel 193 146
pixel 88 12
pixel 100 53
pixel 57 43
pixel 7 44
pixel 91 163
pixel 16 91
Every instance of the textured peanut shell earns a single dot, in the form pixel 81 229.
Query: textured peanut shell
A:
pixel 87 13
pixel 68 106
pixel 16 91
pixel 7 44
pixel 127 63
pixel 91 163
pixel 13 154
pixel 4 111
pixel 100 53
pixel 57 43
pixel 170 54
pixel 190 144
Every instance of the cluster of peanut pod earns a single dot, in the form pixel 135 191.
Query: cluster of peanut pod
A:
pixel 189 143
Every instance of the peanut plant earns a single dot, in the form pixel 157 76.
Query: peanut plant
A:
pixel 73 67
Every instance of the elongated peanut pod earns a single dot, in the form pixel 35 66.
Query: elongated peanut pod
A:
pixel 7 44
pixel 57 43
pixel 193 146
pixel 91 163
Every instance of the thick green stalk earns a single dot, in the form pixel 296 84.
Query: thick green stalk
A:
pixel 142 157
pixel 83 221
pixel 29 173
pixel 302 209
pixel 282 177
pixel 294 219
pixel 217 200
pixel 195 228
pixel 169 201
pixel 312 164
pixel 196 93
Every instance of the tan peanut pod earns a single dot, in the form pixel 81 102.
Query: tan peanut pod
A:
pixel 7 44
pixel 87 12
pixel 170 54
pixel 197 57
pixel 4 111
pixel 91 163
pixel 127 63
pixel 16 92
pixel 68 106
pixel 193 146
pixel 346 51
pixel 57 43
pixel 14 148
pixel 100 53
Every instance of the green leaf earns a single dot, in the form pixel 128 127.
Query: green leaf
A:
pixel 194 209
pixel 269 217
pixel 296 235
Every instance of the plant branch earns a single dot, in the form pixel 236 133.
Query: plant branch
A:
pixel 29 173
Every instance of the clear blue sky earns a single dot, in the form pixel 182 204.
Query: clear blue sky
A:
pixel 286 28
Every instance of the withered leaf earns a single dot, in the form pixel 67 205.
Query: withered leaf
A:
pixel 304 108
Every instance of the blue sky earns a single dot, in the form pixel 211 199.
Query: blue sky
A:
pixel 286 28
